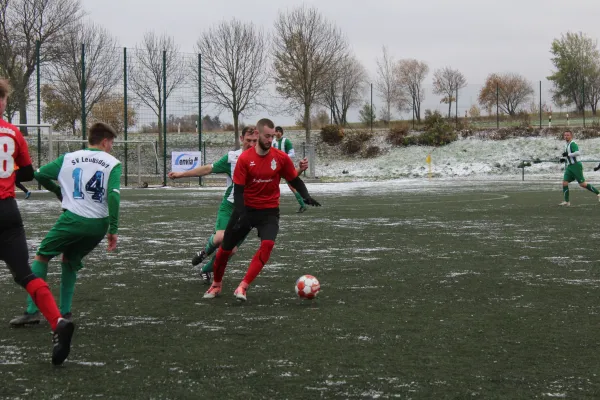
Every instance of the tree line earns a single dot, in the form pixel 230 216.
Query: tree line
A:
pixel 306 57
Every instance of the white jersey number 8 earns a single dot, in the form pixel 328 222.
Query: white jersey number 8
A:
pixel 7 162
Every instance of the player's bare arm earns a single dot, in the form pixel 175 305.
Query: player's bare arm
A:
pixel 200 171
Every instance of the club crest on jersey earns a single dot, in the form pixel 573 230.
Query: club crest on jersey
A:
pixel 273 164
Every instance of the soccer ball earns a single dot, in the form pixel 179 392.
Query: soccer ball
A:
pixel 307 287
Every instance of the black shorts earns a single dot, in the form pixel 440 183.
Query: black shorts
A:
pixel 266 222
pixel 13 244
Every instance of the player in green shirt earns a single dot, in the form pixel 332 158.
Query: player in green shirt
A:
pixel 90 195
pixel 574 169
pixel 285 145
pixel 225 165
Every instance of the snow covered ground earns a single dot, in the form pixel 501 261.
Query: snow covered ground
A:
pixel 467 157
pixel 471 157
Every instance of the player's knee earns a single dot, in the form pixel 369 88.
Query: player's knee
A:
pixel 23 281
pixel 72 264
pixel 266 247
pixel 42 258
pixel 218 238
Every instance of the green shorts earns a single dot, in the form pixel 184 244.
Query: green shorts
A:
pixel 223 215
pixel 574 172
pixel 74 237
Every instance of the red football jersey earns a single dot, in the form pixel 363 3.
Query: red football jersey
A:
pixel 13 153
pixel 260 176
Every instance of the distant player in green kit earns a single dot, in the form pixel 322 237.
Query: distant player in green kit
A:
pixel 574 169
pixel 89 191
pixel 285 145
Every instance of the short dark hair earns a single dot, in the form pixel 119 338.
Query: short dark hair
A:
pixel 4 88
pixel 568 130
pixel 278 129
pixel 100 131
pixel 265 122
pixel 247 130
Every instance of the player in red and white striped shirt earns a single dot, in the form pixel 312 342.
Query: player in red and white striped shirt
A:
pixel 256 200
pixel 13 244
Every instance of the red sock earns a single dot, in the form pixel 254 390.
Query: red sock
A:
pixel 259 260
pixel 43 299
pixel 220 264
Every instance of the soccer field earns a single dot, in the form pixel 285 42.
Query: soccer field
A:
pixel 430 290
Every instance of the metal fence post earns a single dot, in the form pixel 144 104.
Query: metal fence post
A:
pixel 83 90
pixel 164 117
pixel 540 104
pixel 200 112
pixel 39 112
pixel 204 147
pixel 456 107
pixel 371 111
pixel 125 116
pixel 497 105
pixel 583 99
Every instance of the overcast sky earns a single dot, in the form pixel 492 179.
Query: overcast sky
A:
pixel 476 37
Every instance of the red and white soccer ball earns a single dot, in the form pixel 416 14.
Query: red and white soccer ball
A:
pixel 307 287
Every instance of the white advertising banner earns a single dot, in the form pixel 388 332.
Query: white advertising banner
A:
pixel 182 161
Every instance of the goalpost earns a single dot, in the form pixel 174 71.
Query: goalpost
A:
pixel 143 164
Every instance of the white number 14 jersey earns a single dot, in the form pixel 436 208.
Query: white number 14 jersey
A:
pixel 83 179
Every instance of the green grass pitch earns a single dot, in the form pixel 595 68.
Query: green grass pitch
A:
pixel 454 291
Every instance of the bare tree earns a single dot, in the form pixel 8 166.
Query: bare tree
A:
pixel 234 68
pixel 410 75
pixel 102 69
pixel 592 87
pixel 306 47
pixel 511 90
pixel 346 85
pixel 22 23
pixel 387 85
pixel 17 97
pixel 448 82
pixel 145 78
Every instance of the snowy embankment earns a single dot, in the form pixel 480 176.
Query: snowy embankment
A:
pixel 473 157
pixel 467 157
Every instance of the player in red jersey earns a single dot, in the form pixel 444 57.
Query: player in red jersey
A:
pixel 13 244
pixel 256 201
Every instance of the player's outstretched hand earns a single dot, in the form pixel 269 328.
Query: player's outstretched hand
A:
pixel 303 164
pixel 175 175
pixel 312 202
pixel 565 154
pixel 112 241
pixel 597 168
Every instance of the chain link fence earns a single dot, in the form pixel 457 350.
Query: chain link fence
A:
pixel 152 97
